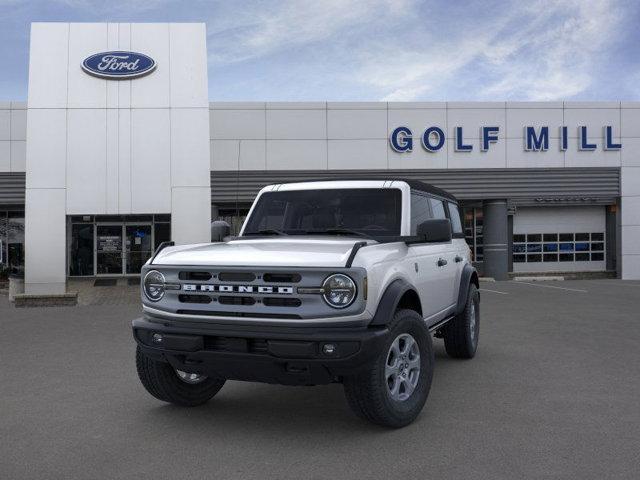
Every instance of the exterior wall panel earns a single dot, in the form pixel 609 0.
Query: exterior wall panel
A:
pixel 109 147
pixel 151 160
pixel 86 188
pixel 13 134
pixel 5 156
pixel 47 148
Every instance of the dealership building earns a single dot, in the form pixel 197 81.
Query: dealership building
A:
pixel 118 148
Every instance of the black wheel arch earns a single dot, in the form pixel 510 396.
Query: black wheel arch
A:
pixel 399 294
pixel 469 276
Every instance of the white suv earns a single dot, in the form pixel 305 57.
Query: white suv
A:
pixel 332 281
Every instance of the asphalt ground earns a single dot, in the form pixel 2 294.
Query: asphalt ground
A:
pixel 553 393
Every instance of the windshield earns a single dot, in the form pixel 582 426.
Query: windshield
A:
pixel 355 211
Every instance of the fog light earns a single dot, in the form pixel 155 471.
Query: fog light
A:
pixel 157 338
pixel 328 348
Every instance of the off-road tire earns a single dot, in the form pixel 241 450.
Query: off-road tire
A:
pixel 368 394
pixel 460 340
pixel 161 381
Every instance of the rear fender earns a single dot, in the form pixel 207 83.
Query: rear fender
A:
pixel 469 276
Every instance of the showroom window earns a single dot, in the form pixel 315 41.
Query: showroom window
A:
pixel 114 244
pixel 473 228
pixel 12 241
pixel 558 247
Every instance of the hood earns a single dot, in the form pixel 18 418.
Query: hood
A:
pixel 320 251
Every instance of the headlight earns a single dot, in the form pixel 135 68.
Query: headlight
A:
pixel 339 291
pixel 153 285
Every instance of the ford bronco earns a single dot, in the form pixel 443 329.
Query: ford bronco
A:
pixel 328 281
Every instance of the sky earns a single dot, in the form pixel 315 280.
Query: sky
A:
pixel 377 50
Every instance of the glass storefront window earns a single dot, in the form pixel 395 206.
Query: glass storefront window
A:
pixel 473 231
pixel 12 236
pixel 114 245
pixel 162 233
pixel 138 247
pixel 3 243
pixel 109 249
pixel 81 251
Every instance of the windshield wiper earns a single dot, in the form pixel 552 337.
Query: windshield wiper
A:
pixel 339 231
pixel 268 231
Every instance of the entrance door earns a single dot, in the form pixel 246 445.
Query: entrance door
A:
pixel 138 247
pixel 109 257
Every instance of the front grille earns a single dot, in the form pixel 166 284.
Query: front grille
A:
pixel 279 293
pixel 195 276
pixel 236 300
pixel 236 277
pixel 281 277
pixel 235 344
pixel 257 345
pixel 195 299
pixel 282 302
pixel 215 343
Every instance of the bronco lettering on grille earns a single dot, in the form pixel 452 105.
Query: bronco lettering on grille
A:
pixel 190 287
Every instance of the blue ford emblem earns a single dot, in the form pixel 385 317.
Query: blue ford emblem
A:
pixel 118 65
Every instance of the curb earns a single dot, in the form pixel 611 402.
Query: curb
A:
pixel 539 279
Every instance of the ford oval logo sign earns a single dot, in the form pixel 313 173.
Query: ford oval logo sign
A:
pixel 118 65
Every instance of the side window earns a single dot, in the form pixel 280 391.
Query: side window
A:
pixel 456 222
pixel 437 208
pixel 419 211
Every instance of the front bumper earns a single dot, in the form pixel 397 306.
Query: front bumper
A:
pixel 288 356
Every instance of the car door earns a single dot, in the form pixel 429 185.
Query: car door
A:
pixel 459 246
pixel 449 268
pixel 430 272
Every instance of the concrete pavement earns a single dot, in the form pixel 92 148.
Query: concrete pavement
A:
pixel 552 393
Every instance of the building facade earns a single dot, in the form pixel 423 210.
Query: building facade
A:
pixel 95 171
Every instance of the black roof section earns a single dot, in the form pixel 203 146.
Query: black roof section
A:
pixel 428 188
pixel 413 184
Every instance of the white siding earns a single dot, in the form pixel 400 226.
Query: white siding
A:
pixel 110 147
pixel 13 135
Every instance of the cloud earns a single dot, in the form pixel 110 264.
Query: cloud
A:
pixel 407 49
pixel 391 50
pixel 544 50
pixel 255 32
pixel 107 6
pixel 557 61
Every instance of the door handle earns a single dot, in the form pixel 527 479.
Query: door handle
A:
pixel 442 262
pixel 458 259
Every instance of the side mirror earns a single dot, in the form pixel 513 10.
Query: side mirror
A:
pixel 435 230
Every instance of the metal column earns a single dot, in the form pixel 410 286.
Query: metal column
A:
pixel 495 250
